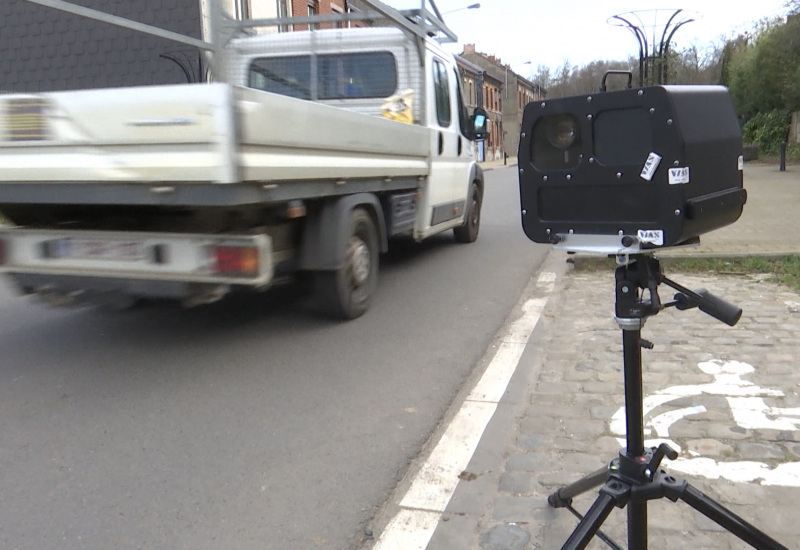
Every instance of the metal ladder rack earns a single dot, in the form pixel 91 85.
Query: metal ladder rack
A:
pixel 419 24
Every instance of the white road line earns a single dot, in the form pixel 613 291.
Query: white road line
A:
pixel 434 485
pixel 494 381
pixel 437 479
pixel 409 530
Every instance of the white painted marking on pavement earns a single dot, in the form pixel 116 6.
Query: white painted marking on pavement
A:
pixel 662 422
pixel 494 381
pixel 438 477
pixel 748 409
pixel 435 483
pixel 409 530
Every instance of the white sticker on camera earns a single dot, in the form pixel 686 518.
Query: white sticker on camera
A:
pixel 650 166
pixel 651 236
pixel 678 175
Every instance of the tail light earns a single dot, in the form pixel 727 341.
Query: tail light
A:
pixel 236 261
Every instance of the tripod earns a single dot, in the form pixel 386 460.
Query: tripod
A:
pixel 635 477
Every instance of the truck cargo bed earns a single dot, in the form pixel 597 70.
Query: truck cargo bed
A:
pixel 218 134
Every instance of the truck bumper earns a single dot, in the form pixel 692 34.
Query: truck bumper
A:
pixel 80 265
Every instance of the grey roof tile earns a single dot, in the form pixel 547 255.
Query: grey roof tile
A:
pixel 43 49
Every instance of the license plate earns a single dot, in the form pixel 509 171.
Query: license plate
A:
pixel 90 249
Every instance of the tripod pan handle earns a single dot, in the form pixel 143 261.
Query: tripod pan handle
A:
pixel 718 308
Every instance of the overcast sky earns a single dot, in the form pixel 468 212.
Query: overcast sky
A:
pixel 551 32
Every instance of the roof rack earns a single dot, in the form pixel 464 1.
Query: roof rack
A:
pixel 123 22
pixel 419 24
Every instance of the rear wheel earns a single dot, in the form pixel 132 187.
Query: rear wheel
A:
pixel 346 293
pixel 468 232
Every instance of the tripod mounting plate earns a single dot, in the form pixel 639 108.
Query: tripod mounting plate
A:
pixel 598 244
pixel 611 245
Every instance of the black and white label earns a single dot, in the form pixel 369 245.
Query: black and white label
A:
pixel 650 166
pixel 678 175
pixel 651 236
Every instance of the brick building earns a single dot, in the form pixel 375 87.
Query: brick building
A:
pixel 515 92
pixel 298 8
pixel 493 103
pixel 481 89
pixel 471 76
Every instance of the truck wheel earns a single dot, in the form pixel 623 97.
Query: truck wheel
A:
pixel 346 292
pixel 468 233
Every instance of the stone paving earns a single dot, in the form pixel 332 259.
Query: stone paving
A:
pixel 557 424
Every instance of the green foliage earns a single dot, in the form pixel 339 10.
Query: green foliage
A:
pixel 783 269
pixel 691 65
pixel 763 73
pixel 768 130
pixel 761 68
pixel 793 151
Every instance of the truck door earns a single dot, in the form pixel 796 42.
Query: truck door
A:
pixel 447 183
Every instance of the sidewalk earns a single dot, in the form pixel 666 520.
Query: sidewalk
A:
pixel 728 397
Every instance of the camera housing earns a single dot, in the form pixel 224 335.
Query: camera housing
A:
pixel 630 170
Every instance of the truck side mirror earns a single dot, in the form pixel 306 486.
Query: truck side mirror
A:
pixel 479 124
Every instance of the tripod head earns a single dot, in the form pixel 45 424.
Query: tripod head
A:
pixel 644 272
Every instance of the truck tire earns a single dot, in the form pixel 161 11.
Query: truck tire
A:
pixel 468 233
pixel 346 293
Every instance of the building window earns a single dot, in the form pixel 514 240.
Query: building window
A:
pixel 283 12
pixel 338 10
pixel 242 9
pixel 313 9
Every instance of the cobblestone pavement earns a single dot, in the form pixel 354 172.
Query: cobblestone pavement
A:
pixel 728 397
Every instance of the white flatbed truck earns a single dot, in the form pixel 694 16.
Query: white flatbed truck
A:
pixel 283 166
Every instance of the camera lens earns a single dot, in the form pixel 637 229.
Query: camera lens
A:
pixel 556 143
pixel 562 131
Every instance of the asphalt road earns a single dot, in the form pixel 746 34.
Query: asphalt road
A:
pixel 249 423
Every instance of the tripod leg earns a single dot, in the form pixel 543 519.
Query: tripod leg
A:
pixel 637 525
pixel 591 523
pixel 563 497
pixel 727 519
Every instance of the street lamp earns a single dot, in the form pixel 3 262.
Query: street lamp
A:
pixel 470 7
pixel 653 56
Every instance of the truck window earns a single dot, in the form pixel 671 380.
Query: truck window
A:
pixel 442 93
pixel 338 76
pixel 463 114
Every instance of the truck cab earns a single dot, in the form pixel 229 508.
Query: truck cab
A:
pixel 380 72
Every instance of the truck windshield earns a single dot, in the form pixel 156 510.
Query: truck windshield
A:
pixel 326 76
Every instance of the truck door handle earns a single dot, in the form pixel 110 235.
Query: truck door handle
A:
pixel 441 143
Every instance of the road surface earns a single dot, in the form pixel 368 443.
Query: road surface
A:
pixel 249 423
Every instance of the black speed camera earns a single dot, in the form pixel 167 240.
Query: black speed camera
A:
pixel 630 170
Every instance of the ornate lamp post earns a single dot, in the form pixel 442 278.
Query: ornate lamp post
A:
pixel 653 58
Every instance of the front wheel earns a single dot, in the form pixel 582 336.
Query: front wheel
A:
pixel 346 292
pixel 468 232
